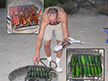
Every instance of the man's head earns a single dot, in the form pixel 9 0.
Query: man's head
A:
pixel 52 15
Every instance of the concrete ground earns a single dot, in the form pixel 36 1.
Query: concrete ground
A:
pixel 18 50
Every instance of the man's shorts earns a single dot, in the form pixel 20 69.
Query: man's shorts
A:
pixel 48 34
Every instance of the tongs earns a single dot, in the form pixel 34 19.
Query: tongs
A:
pixel 65 43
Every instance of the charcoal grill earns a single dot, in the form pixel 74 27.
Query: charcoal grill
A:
pixel 93 51
pixel 21 18
pixel 20 74
pixel 20 13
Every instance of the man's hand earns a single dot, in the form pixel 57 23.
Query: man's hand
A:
pixel 68 40
pixel 36 57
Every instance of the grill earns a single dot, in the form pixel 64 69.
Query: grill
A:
pixel 24 16
pixel 22 74
pixel 99 52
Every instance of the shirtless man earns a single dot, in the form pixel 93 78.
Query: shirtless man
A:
pixel 54 18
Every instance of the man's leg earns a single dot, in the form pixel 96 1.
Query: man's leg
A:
pixel 47 51
pixel 59 54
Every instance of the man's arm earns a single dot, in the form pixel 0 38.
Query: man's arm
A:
pixel 64 26
pixel 40 36
pixel 39 39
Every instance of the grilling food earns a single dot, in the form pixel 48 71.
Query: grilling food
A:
pixel 48 75
pixel 24 15
pixel 90 60
pixel 28 15
pixel 92 70
pixel 11 11
pixel 89 70
pixel 21 11
pixel 99 70
pixel 81 71
pixel 79 60
pixel 85 65
pixel 12 21
pixel 85 71
pixel 34 16
pixel 37 69
pixel 22 18
pixel 76 60
pixel 96 70
pixel 96 60
pixel 93 57
pixel 73 72
pixel 83 59
pixel 15 11
pixel 86 60
pixel 73 60
pixel 23 22
pixel 38 73
pixel 77 70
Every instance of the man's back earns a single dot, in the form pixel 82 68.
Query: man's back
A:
pixel 60 18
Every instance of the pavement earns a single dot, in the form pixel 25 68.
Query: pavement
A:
pixel 17 50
